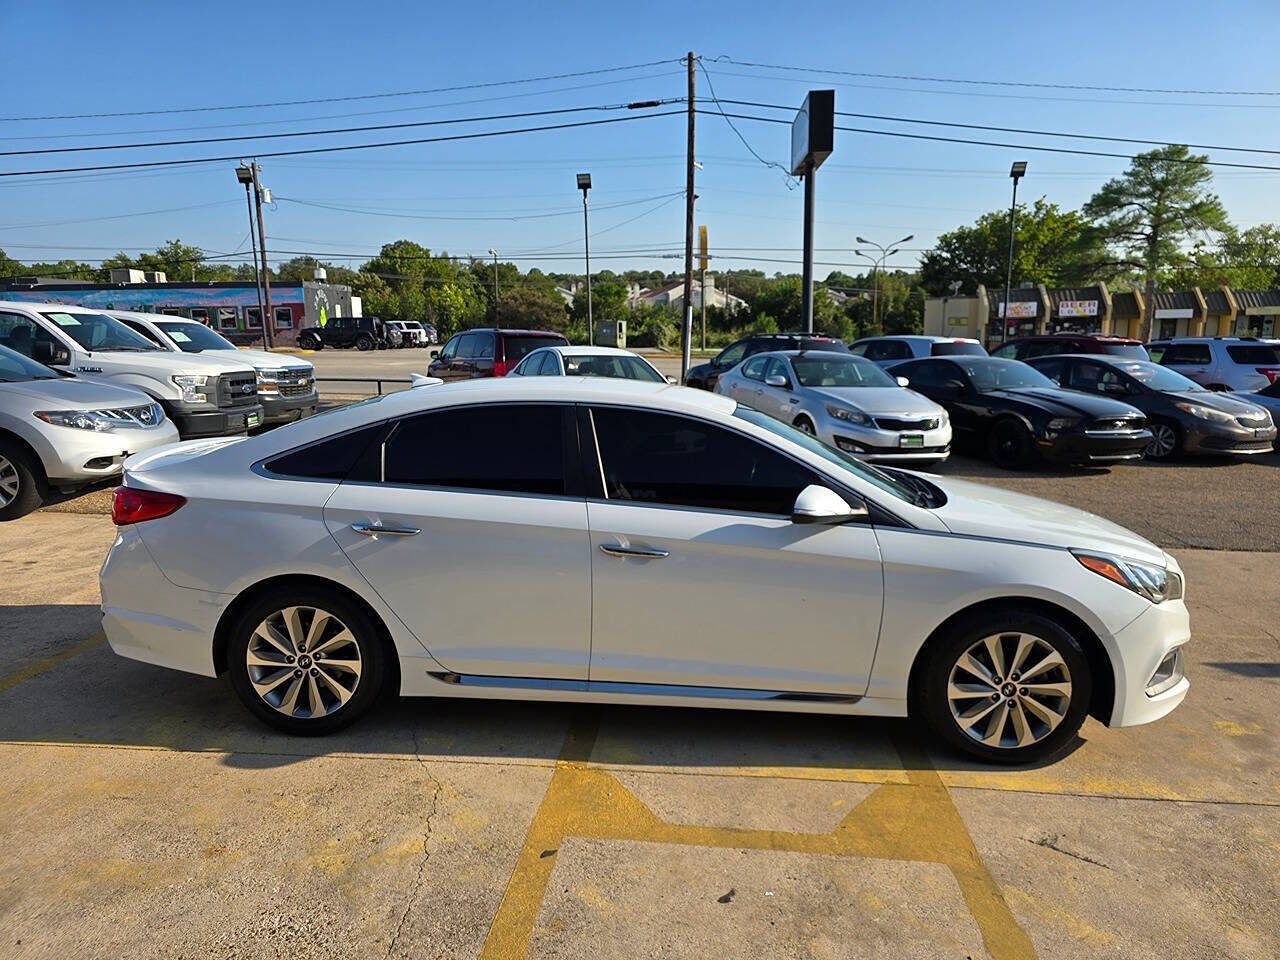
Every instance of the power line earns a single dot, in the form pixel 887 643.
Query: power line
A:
pixel 999 83
pixel 330 132
pixel 340 148
pixel 349 99
pixel 738 133
pixel 508 218
pixel 118 216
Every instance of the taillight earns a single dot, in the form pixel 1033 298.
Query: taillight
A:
pixel 1269 372
pixel 131 505
pixel 499 368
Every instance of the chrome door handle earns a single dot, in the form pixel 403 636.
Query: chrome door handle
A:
pixel 618 550
pixel 373 529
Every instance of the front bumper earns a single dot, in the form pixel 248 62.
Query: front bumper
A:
pixel 72 456
pixel 1109 447
pixel 1230 440
pixel 194 423
pixel 874 444
pixel 277 409
pixel 1139 649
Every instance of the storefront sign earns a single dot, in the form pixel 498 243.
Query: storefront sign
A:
pixel 1175 313
pixel 957 321
pixel 1078 308
pixel 1261 311
pixel 1022 309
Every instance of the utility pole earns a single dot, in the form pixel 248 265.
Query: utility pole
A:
pixel 268 334
pixel 686 330
pixel 245 176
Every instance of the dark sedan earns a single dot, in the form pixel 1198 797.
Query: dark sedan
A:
pixel 1183 416
pixel 1017 414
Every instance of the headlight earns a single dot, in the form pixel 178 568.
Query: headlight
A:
pixel 1206 413
pixel 1155 583
pixel 190 385
pixel 80 419
pixel 849 415
pixel 1059 424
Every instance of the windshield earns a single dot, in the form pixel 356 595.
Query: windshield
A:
pixel 993 373
pixel 1135 351
pixel 1158 378
pixel 957 348
pixel 97 331
pixel 194 337
pixel 820 371
pixel 15 368
pixel 840 459
pixel 617 366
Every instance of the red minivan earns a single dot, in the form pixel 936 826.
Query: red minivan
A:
pixel 486 352
pixel 1051 344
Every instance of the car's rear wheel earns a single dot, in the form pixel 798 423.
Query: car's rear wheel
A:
pixel 306 661
pixel 364 342
pixel 1009 687
pixel 1010 444
pixel 21 482
pixel 1165 440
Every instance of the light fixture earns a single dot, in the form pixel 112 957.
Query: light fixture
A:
pixel 584 182
pixel 1018 169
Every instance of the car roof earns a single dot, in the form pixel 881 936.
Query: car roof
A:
pixel 835 354
pixel 511 332
pixel 581 350
pixel 1097 357
pixel 48 305
pixel 153 317
pixel 1099 337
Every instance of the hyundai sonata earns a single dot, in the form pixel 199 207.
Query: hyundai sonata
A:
pixel 612 541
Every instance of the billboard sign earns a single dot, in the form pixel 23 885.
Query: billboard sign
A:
pixel 1175 313
pixel 813 131
pixel 1021 309
pixel 702 248
pixel 1078 308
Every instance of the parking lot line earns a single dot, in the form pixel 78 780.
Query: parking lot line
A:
pixel 37 667
pixel 913 821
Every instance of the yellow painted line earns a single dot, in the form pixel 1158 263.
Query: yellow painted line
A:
pixel 913 821
pixel 32 670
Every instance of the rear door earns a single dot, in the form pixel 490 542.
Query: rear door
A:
pixel 487 557
pixel 699 577
pixel 1192 360
pixel 746 384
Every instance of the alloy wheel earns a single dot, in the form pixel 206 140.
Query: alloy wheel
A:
pixel 804 426
pixel 1163 441
pixel 304 662
pixel 1009 690
pixel 10 482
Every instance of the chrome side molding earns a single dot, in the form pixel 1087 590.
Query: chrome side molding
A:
pixel 639 689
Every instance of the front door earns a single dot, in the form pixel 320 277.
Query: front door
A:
pixel 699 577
pixel 486 558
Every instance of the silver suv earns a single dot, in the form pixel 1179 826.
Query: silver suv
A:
pixel 1220 363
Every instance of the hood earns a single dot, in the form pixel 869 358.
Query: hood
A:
pixel 1066 403
pixel 163 362
pixel 1236 404
pixel 878 401
pixel 979 510
pixel 261 359
pixel 74 394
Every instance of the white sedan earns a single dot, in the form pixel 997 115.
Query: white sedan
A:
pixel 575 538
pixel 565 361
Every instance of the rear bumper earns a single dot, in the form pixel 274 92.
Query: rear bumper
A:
pixel 1096 447
pixel 194 424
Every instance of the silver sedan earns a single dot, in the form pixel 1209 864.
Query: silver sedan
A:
pixel 845 401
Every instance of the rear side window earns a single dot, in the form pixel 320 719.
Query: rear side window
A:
pixel 1255 354
pixel 1051 367
pixel 510 448
pixel 657 458
pixel 887 350
pixel 332 459
pixel 516 348
pixel 944 348
pixel 1178 354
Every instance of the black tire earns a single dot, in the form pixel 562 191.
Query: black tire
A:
pixel 364 342
pixel 309 341
pixel 1166 440
pixel 369 652
pixel 22 483
pixel 805 425
pixel 1011 445
pixel 931 704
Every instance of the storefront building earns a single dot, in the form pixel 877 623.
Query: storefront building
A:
pixel 230 308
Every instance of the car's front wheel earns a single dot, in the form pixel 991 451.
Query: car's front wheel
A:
pixel 1010 687
pixel 306 661
pixel 21 482
pixel 1010 445
pixel 1165 440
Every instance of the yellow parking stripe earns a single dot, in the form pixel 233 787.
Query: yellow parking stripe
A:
pixel 32 670
pixel 915 821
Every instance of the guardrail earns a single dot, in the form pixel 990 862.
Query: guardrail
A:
pixel 379 381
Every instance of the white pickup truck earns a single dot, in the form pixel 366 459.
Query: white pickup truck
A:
pixel 203 396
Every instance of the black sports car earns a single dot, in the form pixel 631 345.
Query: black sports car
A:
pixel 1017 414
pixel 1183 416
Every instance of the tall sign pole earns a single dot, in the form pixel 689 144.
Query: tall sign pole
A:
pixel 686 330
pixel 812 139
pixel 702 272
pixel 268 318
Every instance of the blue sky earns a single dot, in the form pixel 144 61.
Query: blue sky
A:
pixel 94 58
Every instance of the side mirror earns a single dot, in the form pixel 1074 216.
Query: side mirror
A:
pixel 817 504
pixel 904 382
pixel 672 380
pixel 434 354
pixel 42 351
pixel 777 380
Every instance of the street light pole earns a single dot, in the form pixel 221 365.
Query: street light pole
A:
pixel 245 176
pixel 494 253
pixel 1016 172
pixel 584 184
pixel 268 335
pixel 876 264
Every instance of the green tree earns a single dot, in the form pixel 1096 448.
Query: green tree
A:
pixel 781 300
pixel 1245 259
pixel 532 307
pixel 1150 212
pixel 1051 246
pixel 608 300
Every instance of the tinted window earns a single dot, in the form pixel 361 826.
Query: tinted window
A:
pixel 508 447
pixel 449 349
pixel 928 373
pixel 1158 377
pixel 467 346
pixel 331 459
pixel 1045 348
pixel 657 458
pixel 1135 351
pixel 15 368
pixel 1008 351
pixel 754 368
pixel 731 354
pixel 515 347
pixel 887 350
pixel 953 348
pixel 988 373
pixel 1051 367
pixel 1186 354
pixel 1093 378
pixel 1255 354
pixel 617 366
